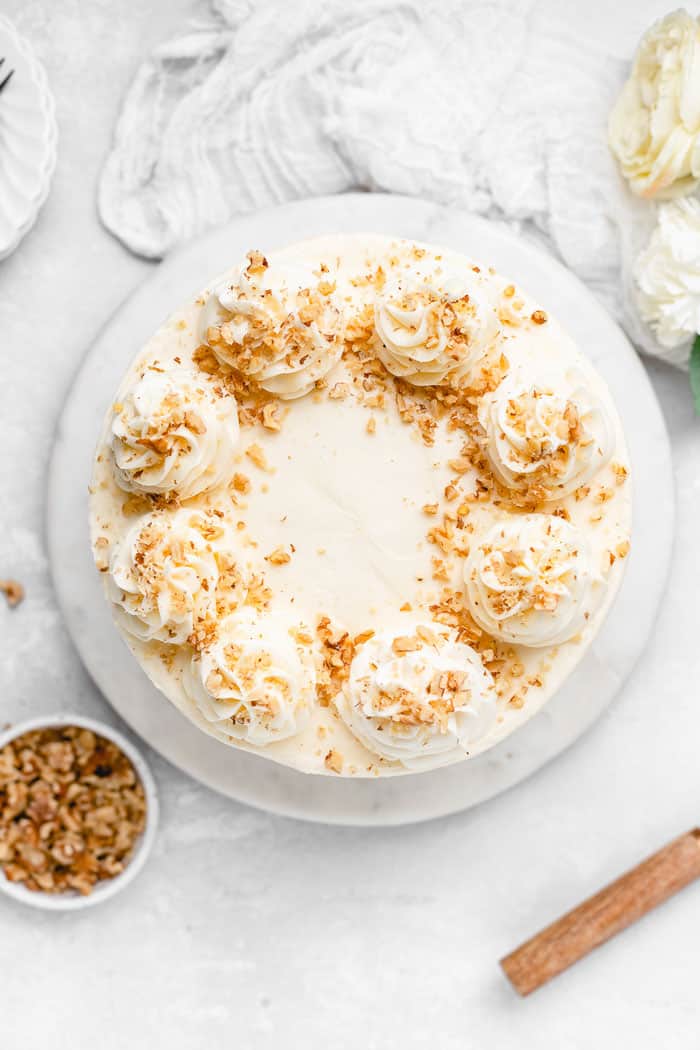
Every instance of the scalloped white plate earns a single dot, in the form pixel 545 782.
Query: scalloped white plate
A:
pixel 28 137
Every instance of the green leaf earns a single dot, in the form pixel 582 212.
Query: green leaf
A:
pixel 695 373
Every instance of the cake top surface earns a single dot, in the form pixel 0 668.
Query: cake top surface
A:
pixel 360 506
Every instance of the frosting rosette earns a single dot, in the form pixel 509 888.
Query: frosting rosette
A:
pixel 548 437
pixel 418 696
pixel 172 571
pixel 255 683
pixel 654 129
pixel 425 333
pixel 530 581
pixel 173 434
pixel 283 343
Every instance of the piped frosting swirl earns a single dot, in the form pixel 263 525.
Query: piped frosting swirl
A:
pixel 530 581
pixel 173 434
pixel 550 436
pixel 425 333
pixel 417 695
pixel 255 683
pixel 283 343
pixel 172 570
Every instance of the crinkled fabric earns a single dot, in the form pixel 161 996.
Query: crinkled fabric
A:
pixel 488 107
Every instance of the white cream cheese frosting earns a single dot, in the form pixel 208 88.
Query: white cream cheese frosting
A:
pixel 531 581
pixel 283 346
pixel 172 434
pixel 273 527
pixel 169 571
pixel 426 332
pixel 553 432
pixel 255 682
pixel 419 694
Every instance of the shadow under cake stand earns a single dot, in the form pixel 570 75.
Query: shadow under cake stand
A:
pixel 257 781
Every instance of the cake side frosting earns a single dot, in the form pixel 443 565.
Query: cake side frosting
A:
pixel 415 444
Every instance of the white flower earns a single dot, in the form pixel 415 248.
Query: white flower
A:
pixel 667 278
pixel 654 128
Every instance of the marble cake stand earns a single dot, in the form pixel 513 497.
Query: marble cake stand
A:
pixel 256 781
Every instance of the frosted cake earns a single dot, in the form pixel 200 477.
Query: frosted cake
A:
pixel 360 507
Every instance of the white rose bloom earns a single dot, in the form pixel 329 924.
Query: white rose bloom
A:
pixel 654 128
pixel 667 279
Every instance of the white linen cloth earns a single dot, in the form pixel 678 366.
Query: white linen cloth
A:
pixel 487 106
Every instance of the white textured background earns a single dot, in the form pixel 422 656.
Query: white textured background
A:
pixel 251 931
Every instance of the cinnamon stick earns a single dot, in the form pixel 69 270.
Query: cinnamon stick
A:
pixel 600 917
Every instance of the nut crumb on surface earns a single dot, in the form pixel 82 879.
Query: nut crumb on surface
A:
pixel 241 483
pixel 256 455
pixel 334 761
pixel 279 556
pixel 271 418
pixel 13 591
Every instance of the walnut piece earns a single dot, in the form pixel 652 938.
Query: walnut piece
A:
pixel 71 809
pixel 13 591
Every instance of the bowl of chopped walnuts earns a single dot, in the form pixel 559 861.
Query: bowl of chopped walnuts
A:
pixel 78 812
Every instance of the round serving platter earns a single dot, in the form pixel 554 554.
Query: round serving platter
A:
pixel 265 784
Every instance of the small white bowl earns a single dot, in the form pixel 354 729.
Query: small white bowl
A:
pixel 71 900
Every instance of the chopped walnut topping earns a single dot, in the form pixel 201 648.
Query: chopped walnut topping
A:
pixel 271 419
pixel 256 455
pixel 363 637
pixel 430 509
pixel 406 644
pixel 71 809
pixel 334 761
pixel 137 504
pixel 338 649
pixel 339 391
pixel 13 591
pixel 101 554
pixel 621 473
pixel 241 483
pixel 279 556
